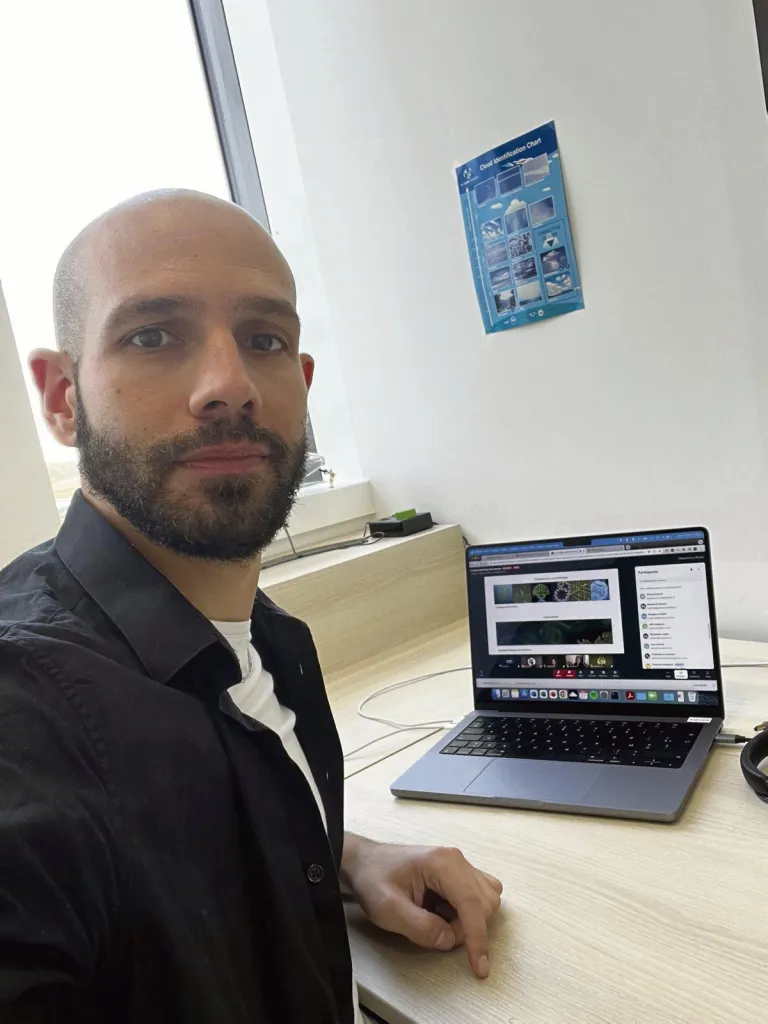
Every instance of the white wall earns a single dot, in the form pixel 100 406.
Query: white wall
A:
pixel 648 408
pixel 279 170
pixel 27 508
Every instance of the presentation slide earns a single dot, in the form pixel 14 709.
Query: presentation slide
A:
pixel 577 612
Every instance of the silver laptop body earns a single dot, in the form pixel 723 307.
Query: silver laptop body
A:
pixel 596 676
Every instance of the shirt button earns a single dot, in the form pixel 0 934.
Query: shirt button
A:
pixel 315 873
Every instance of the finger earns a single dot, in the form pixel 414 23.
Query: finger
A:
pixel 472 919
pixel 491 896
pixel 418 925
pixel 495 883
pixel 458 932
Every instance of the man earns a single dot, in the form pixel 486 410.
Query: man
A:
pixel 171 826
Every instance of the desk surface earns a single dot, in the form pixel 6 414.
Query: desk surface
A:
pixel 603 921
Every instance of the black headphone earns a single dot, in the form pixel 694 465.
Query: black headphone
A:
pixel 755 752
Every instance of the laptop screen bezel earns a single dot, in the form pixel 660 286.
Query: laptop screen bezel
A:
pixel 590 708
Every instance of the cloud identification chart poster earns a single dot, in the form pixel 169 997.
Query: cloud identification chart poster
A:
pixel 519 238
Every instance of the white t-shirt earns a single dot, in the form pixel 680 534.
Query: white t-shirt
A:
pixel 255 696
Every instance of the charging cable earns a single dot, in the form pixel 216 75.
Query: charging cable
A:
pixel 432 728
pixel 733 739
pixel 397 726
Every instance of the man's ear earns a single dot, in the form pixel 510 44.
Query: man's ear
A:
pixel 307 368
pixel 55 379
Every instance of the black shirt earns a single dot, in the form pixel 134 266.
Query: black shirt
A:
pixel 161 856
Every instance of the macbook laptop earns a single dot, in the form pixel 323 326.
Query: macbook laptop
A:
pixel 596 677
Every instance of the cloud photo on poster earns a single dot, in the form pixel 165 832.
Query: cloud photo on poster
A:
pixel 529 292
pixel 484 191
pixel 554 260
pixel 524 269
pixel 542 211
pixel 516 217
pixel 495 254
pixel 505 301
pixel 501 278
pixel 510 181
pixel 492 230
pixel 558 285
pixel 519 245
pixel 535 169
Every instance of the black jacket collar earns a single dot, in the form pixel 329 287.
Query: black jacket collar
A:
pixel 163 629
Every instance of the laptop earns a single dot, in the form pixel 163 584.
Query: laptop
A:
pixel 596 677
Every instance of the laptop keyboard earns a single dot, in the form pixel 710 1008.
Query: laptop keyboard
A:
pixel 595 741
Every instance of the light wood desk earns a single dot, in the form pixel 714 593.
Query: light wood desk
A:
pixel 603 921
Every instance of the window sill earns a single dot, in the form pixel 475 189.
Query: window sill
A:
pixel 322 514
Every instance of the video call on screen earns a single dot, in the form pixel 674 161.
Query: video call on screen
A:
pixel 598 619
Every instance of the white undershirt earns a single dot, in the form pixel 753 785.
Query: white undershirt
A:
pixel 255 696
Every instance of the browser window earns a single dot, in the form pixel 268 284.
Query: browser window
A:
pixel 624 619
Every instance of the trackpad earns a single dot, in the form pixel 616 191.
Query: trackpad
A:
pixel 547 781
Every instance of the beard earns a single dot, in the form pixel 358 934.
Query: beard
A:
pixel 226 519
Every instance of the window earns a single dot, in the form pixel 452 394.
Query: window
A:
pixel 108 100
pixel 761 23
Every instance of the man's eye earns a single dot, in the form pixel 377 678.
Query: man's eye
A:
pixel 264 343
pixel 150 337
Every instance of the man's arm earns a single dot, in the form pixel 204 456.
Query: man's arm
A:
pixel 58 891
pixel 432 895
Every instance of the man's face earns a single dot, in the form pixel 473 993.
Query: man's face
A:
pixel 191 393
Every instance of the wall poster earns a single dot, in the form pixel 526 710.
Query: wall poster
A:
pixel 519 237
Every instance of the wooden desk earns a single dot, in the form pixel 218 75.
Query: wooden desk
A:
pixel 603 921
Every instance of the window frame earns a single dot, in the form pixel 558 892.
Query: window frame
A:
pixel 214 45
pixel 760 10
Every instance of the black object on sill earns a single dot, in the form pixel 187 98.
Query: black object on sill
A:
pixel 392 526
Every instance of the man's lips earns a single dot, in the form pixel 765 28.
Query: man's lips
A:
pixel 227 458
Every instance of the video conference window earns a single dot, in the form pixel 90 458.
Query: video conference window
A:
pixel 633 610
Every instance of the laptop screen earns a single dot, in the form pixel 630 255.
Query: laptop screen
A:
pixel 623 620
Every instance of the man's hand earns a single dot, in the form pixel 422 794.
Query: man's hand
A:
pixel 394 885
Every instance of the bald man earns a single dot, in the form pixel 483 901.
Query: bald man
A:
pixel 171 826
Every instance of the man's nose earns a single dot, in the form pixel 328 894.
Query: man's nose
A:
pixel 223 383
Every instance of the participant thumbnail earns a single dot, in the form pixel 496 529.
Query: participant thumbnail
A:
pixel 598 661
pixel 531 661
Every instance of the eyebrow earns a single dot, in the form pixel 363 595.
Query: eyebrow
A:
pixel 142 307
pixel 268 307
pixel 150 306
